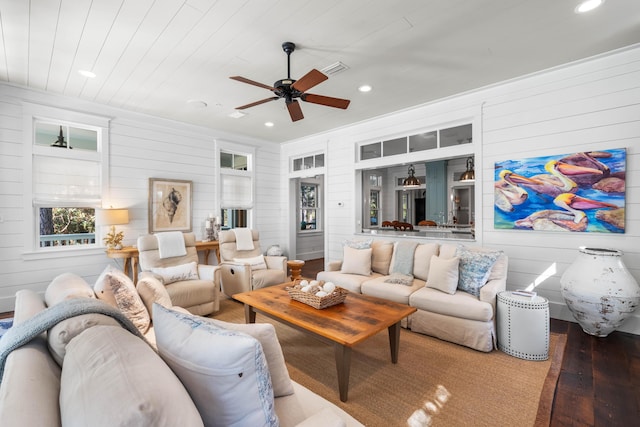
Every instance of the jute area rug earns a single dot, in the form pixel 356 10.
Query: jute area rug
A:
pixel 434 383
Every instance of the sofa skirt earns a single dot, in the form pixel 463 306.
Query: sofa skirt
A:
pixel 469 333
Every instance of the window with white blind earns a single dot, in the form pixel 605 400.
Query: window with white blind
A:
pixel 67 177
pixel 236 188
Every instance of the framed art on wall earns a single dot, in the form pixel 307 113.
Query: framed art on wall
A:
pixel 169 205
pixel 576 192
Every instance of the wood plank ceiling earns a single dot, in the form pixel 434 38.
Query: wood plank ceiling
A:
pixel 153 56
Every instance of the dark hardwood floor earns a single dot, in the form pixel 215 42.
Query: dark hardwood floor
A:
pixel 599 382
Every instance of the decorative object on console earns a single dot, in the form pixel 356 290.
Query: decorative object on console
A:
pixel 274 250
pixel 411 181
pixel 599 290
pixel 112 217
pixel 578 192
pixel 169 205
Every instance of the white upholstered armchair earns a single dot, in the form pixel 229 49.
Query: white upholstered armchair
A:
pixel 243 267
pixel 172 279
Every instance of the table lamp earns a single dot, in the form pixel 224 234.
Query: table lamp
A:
pixel 113 217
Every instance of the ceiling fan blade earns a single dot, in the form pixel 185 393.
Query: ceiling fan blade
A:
pixel 251 82
pixel 309 80
pixel 253 104
pixel 326 100
pixel 295 111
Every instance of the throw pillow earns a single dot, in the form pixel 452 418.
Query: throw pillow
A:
pixel 224 371
pixel 112 378
pixel 116 288
pixel 177 273
pixel 65 286
pixel 256 263
pixel 266 334
pixel 382 252
pixel 358 244
pixel 356 261
pixel 443 274
pixel 475 268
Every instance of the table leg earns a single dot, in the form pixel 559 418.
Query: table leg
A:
pixel 134 268
pixel 394 341
pixel 343 366
pixel 249 314
pixel 125 267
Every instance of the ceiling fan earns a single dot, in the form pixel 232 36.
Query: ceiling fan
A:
pixel 290 89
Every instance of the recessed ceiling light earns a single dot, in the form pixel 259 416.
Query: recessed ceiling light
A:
pixel 588 5
pixel 87 73
pixel 365 88
pixel 196 103
pixel 268 124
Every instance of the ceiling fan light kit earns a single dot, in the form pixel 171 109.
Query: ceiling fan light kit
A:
pixel 291 89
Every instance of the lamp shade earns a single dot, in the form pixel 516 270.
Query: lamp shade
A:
pixel 112 216
pixel 411 181
pixel 469 175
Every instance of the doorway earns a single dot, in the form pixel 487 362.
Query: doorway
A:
pixel 307 225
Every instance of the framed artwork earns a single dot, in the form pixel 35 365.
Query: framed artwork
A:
pixel 169 205
pixel 576 192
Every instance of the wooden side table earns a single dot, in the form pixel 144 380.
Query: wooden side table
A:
pixel 295 265
pixel 130 256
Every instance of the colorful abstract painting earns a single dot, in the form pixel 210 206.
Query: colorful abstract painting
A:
pixel 578 192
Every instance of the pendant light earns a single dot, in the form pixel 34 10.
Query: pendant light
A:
pixel 469 175
pixel 411 181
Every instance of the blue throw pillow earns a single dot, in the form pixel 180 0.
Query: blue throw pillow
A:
pixel 475 268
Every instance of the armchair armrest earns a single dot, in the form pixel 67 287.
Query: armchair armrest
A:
pixel 276 263
pixel 151 290
pixel 208 272
pixel 334 265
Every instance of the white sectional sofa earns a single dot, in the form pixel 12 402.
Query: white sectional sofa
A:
pixel 464 316
pixel 91 370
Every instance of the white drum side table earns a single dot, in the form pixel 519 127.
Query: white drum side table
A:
pixel 523 326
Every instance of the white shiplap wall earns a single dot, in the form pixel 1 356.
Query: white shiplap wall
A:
pixel 590 105
pixel 141 147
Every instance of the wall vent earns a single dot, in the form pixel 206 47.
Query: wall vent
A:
pixel 336 68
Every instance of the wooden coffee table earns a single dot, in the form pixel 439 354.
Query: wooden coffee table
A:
pixel 343 325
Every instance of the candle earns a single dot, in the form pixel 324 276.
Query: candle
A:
pixel 208 224
pixel 218 220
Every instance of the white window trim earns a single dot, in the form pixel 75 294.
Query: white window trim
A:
pixel 30 114
pixel 250 153
pixel 319 208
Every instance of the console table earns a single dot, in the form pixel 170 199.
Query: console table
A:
pixel 130 256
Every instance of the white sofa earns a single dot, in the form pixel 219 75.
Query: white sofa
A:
pixel 459 317
pixel 109 376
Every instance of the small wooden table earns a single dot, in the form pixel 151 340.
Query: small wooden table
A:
pixel 130 255
pixel 295 265
pixel 343 325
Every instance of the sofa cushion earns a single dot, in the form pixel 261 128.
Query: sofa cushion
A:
pixel 461 304
pixel 475 268
pixel 397 292
pixel 151 290
pixel 115 286
pixel 177 273
pixel 443 274
pixel 61 334
pixel 113 378
pixel 256 263
pixel 356 261
pixel 266 334
pixel 351 282
pixel 65 286
pixel 381 254
pixel 225 371
pixel 422 259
